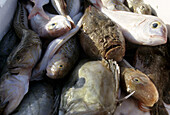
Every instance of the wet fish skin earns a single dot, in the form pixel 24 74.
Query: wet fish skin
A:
pixel 60 6
pixel 85 99
pixel 20 63
pixel 100 37
pixel 63 60
pixel 154 61
pixel 137 28
pixel 38 9
pixel 38 100
pixel 139 6
pixel 55 26
pixel 8 42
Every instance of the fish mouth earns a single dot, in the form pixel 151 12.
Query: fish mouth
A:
pixel 114 52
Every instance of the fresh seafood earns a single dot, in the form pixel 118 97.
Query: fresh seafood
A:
pixel 138 6
pixel 137 28
pixel 38 9
pixel 114 5
pixel 154 61
pixel 90 90
pixel 60 6
pixel 134 80
pixel 14 83
pixel 102 39
pixel 6 7
pixel 38 101
pixel 9 42
pixel 63 60
pixel 52 49
pixel 56 26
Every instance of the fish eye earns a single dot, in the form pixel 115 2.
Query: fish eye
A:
pixel 51 26
pixel 155 25
pixel 60 66
pixel 136 80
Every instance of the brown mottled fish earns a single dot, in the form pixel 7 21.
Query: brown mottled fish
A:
pixel 100 37
pixel 134 80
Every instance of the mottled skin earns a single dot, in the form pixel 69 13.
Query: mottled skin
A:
pixel 63 60
pixel 38 101
pixel 138 6
pixel 134 80
pixel 14 83
pixel 154 61
pixel 100 37
pixel 8 42
pixel 90 90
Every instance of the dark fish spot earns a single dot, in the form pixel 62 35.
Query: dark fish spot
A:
pixel 80 83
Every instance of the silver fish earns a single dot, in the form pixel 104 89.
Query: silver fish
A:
pixel 90 90
pixel 56 26
pixel 63 60
pixel 137 28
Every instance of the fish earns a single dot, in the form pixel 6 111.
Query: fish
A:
pixel 154 62
pixel 55 26
pixel 63 60
pixel 100 37
pixel 60 6
pixel 38 101
pixel 135 80
pixel 137 28
pixel 52 48
pixel 19 64
pixel 114 5
pixel 8 43
pixel 138 6
pixel 38 9
pixel 90 89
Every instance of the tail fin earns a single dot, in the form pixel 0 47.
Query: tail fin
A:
pixel 37 10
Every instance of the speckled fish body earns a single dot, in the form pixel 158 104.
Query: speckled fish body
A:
pixel 53 48
pixel 137 28
pixel 154 61
pixel 134 80
pixel 38 9
pixel 138 6
pixel 90 90
pixel 56 26
pixel 100 37
pixel 38 101
pixel 9 42
pixel 114 5
pixel 14 83
pixel 63 60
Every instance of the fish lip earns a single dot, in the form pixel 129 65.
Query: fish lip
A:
pixel 112 49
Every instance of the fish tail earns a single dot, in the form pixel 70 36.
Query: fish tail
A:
pixel 36 10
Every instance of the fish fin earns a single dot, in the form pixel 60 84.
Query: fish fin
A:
pixel 37 10
pixel 143 108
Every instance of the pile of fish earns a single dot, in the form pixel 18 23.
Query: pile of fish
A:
pixel 85 57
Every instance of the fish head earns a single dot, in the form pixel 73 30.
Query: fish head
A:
pixel 155 31
pixel 58 67
pixel 145 91
pixel 58 26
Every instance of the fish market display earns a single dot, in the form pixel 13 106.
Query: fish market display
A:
pixel 15 82
pixel 137 28
pixel 6 7
pixel 139 6
pixel 55 26
pixel 134 80
pixel 91 90
pixel 154 61
pixel 102 39
pixel 38 9
pixel 9 42
pixel 63 60
pixel 114 5
pixel 38 101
